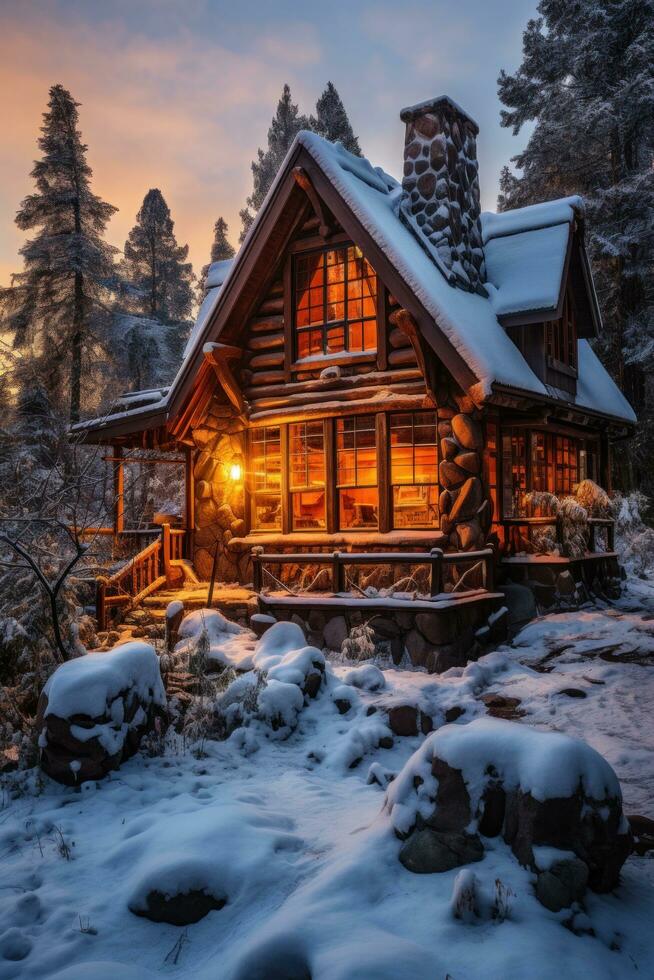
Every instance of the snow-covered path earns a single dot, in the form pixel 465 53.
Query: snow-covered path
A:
pixel 308 861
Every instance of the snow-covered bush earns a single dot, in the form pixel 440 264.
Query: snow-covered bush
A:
pixel 574 527
pixel 634 539
pixel 360 644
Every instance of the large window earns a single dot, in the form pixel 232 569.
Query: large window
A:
pixel 356 472
pixel 266 479
pixel 307 475
pixel 335 302
pixel 414 469
pixel 561 337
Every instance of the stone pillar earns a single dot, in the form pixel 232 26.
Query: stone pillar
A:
pixel 465 506
pixel 219 499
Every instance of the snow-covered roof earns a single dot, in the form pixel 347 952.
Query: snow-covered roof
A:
pixel 525 251
pixel 525 257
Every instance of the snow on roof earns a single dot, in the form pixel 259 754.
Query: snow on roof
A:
pixel 525 255
pixel 596 389
pixel 525 270
pixel 218 272
pixel 530 218
pixel 466 319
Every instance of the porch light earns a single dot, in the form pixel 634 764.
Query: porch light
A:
pixel 235 472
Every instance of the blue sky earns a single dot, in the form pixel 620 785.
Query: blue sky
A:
pixel 178 94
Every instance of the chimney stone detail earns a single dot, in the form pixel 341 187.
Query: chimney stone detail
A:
pixel 440 186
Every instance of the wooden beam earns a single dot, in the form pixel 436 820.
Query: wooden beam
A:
pixel 119 491
pixel 302 179
pixel 383 472
pixel 218 355
pixel 405 321
pixel 189 501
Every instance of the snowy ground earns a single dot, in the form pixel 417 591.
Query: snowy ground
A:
pixel 304 852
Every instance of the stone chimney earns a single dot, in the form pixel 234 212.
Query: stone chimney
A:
pixel 440 199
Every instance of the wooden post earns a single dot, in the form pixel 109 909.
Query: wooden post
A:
pixel 214 572
pixel 165 553
pixel 189 502
pixel 338 578
pixel 383 475
pixel 100 606
pixel 591 537
pixel 118 491
pixel 489 572
pixel 610 536
pixel 257 575
pixel 436 562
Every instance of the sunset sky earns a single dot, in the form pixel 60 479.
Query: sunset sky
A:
pixel 178 94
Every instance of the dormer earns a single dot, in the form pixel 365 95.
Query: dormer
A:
pixel 539 282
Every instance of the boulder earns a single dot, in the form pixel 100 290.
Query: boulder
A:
pixel 179 910
pixel 642 829
pixel 449 448
pixel 520 603
pixel 403 719
pixel 437 629
pixel 334 632
pixel 430 851
pixel 565 584
pixel 562 884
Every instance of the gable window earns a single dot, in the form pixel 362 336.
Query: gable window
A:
pixel 335 302
pixel 561 338
pixel 356 472
pixel 266 479
pixel 414 469
pixel 307 475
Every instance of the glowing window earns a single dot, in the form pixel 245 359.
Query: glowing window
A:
pixel 414 469
pixel 335 302
pixel 266 459
pixel 307 474
pixel 356 472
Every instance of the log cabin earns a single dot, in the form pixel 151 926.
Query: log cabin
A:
pixel 388 394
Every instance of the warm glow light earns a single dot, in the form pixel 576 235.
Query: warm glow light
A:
pixel 235 472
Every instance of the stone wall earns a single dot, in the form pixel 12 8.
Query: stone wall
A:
pixel 434 639
pixel 219 500
pixel 441 188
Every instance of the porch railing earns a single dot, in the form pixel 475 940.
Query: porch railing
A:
pixel 527 523
pixel 143 574
pixel 337 561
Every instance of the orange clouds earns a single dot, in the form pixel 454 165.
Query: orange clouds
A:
pixel 182 113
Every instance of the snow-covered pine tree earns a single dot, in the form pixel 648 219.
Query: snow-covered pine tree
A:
pixel 158 296
pixel 587 81
pixel 56 307
pixel 285 125
pixel 220 249
pixel 156 266
pixel 331 120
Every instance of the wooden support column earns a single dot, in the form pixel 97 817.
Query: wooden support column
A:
pixel 287 517
pixel 165 553
pixel 118 491
pixel 383 473
pixel 331 515
pixel 189 501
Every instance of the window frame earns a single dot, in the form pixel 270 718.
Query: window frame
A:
pixel 255 492
pixel 306 487
pixel 373 320
pixel 393 484
pixel 340 487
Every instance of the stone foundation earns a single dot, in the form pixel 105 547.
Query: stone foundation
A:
pixel 434 639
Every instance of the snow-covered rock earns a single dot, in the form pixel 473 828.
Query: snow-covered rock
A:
pixel 95 709
pixel 532 787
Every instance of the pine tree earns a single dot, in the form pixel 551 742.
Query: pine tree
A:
pixel 155 265
pixel 220 249
pixel 331 120
pixel 56 307
pixel 284 127
pixel 587 81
